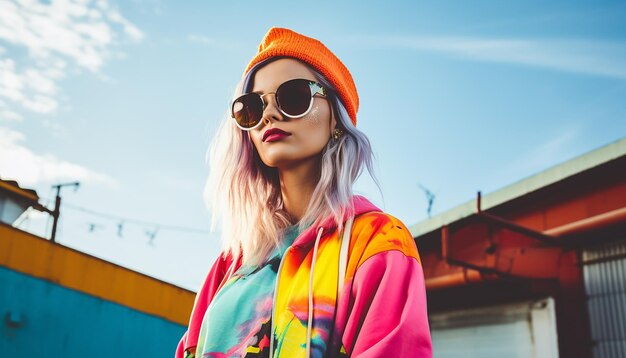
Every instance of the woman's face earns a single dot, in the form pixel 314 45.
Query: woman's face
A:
pixel 305 137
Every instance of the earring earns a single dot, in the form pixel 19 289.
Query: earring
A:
pixel 337 133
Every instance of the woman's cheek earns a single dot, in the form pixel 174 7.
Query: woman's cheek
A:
pixel 255 138
pixel 316 121
pixel 314 117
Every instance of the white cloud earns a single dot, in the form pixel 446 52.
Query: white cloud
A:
pixel 58 36
pixel 33 89
pixel 40 104
pixel 20 163
pixel 580 56
pixel 7 114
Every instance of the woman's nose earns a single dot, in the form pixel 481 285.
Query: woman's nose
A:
pixel 271 111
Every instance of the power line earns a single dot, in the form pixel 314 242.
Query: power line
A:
pixel 125 220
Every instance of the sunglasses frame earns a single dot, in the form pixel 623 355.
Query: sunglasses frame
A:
pixel 315 88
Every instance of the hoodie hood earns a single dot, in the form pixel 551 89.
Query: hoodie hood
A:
pixel 360 205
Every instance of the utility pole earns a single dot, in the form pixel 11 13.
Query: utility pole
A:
pixel 57 207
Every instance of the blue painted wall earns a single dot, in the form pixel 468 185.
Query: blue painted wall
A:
pixel 40 318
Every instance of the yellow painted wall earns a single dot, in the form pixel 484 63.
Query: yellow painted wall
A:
pixel 32 255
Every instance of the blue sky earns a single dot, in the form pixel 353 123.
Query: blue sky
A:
pixel 455 96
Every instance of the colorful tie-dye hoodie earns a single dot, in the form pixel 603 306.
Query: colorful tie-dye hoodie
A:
pixel 381 310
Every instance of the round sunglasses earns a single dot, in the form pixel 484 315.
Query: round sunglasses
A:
pixel 294 99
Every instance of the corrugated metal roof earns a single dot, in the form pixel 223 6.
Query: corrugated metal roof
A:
pixel 549 176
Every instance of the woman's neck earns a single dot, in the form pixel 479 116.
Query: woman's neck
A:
pixel 297 185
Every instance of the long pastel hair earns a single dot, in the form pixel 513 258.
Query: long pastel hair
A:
pixel 243 194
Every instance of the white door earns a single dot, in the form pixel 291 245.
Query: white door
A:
pixel 520 330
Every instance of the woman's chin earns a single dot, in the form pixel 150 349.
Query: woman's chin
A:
pixel 289 162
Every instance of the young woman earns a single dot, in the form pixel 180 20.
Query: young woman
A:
pixel 308 269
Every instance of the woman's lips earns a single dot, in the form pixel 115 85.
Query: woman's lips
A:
pixel 274 134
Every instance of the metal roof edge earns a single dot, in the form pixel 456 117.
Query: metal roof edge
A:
pixel 90 257
pixel 13 187
pixel 524 186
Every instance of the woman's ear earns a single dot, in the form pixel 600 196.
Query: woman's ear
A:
pixel 333 119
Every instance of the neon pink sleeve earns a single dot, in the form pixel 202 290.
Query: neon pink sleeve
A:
pixel 389 316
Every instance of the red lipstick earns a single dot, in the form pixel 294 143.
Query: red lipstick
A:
pixel 274 134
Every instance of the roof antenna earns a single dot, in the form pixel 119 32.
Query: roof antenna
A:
pixel 430 197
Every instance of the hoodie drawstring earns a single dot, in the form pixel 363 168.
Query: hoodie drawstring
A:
pixel 310 318
pixel 309 327
pixel 345 244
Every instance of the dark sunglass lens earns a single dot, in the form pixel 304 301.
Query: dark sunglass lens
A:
pixel 294 97
pixel 248 110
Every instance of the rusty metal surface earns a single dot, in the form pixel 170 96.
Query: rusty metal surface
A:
pixel 489 244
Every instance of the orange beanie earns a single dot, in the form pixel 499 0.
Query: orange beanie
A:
pixel 284 42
